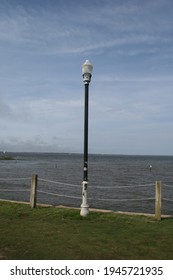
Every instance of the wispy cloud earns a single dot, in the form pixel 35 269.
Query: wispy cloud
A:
pixel 138 78
pixel 120 25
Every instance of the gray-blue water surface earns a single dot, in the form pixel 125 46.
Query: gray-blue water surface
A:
pixel 108 175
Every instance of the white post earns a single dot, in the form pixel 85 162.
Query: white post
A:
pixel 84 206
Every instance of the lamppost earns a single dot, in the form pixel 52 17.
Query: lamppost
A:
pixel 86 73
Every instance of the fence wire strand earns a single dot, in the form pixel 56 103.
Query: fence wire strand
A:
pixel 169 186
pixel 166 199
pixel 14 179
pixel 14 190
pixel 121 187
pixel 91 186
pixel 126 199
pixel 60 195
pixel 58 183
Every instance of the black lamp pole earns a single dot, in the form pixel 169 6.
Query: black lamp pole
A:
pixel 85 170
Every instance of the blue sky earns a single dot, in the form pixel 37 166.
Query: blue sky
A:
pixel 42 47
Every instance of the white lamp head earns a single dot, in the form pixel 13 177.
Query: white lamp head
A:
pixel 87 68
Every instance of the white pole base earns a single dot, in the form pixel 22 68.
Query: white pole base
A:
pixel 84 206
pixel 84 210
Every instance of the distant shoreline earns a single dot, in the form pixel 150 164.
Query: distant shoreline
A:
pixel 6 158
pixel 11 154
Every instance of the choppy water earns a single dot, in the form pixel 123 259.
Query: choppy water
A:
pixel 104 170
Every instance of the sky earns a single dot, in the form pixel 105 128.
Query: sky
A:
pixel 43 44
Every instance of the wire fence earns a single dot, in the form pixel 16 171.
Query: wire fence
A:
pixel 116 198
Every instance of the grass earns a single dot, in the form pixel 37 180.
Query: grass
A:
pixel 53 233
pixel 6 158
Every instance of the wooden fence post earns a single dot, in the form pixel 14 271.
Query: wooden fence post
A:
pixel 33 193
pixel 158 188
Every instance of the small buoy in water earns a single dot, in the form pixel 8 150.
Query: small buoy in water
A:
pixel 150 168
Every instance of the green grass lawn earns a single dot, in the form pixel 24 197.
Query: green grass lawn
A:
pixel 53 233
